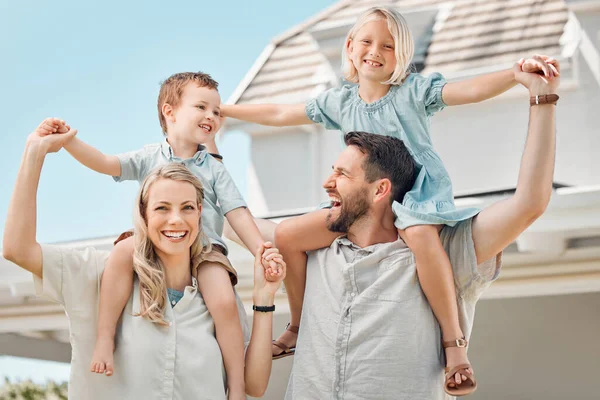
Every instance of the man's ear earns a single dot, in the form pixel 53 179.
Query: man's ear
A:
pixel 383 190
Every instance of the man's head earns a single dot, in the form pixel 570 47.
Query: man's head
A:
pixel 189 107
pixel 372 171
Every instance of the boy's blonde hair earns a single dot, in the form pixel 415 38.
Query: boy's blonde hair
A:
pixel 146 263
pixel 172 88
pixel 404 47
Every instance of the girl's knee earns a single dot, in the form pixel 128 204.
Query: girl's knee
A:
pixel 421 234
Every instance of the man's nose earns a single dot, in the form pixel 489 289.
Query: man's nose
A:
pixel 329 182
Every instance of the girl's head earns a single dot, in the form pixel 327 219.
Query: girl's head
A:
pixel 167 225
pixel 379 47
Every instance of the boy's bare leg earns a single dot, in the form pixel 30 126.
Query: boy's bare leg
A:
pixel 215 286
pixel 437 281
pixel 115 290
pixel 294 237
pixel 266 228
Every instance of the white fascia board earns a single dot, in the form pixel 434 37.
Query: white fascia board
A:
pixel 251 74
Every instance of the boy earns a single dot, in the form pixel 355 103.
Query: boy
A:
pixel 189 114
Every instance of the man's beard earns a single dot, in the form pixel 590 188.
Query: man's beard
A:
pixel 351 210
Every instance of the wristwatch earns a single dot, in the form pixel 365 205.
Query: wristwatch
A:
pixel 543 99
pixel 264 308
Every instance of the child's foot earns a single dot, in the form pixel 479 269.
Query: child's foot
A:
pixel 102 359
pixel 285 345
pixel 457 356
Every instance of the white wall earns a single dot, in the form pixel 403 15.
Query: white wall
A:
pixel 481 145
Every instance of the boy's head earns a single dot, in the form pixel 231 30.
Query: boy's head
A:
pixel 189 106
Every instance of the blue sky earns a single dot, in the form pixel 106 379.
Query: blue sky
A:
pixel 98 65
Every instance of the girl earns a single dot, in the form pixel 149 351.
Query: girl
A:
pixel 389 100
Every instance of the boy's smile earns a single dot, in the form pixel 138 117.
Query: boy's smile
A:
pixel 197 118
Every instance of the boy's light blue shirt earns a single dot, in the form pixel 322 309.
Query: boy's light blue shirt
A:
pixel 221 195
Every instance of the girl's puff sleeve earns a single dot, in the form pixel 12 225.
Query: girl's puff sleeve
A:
pixel 325 109
pixel 429 91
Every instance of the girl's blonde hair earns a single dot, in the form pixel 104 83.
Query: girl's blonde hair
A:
pixel 146 263
pixel 404 47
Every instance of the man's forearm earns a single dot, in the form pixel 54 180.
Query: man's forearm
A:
pixel 93 158
pixel 19 242
pixel 537 165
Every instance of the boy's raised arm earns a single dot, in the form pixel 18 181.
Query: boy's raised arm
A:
pixel 268 114
pixel 93 158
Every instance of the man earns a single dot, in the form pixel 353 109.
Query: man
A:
pixel 367 331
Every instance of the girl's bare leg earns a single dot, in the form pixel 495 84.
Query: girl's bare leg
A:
pixel 437 281
pixel 115 290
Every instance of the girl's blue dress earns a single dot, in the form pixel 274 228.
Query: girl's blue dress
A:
pixel 403 113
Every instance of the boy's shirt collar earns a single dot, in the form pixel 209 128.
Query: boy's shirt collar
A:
pixel 167 151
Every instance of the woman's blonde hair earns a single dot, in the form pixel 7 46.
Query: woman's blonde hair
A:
pixel 146 263
pixel 404 47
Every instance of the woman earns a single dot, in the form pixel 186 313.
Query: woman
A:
pixel 176 359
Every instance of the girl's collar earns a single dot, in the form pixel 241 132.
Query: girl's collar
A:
pixel 377 103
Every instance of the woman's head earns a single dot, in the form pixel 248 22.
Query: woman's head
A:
pixel 167 224
pixel 378 47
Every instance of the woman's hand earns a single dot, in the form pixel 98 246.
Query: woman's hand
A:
pixel 264 290
pixel 52 134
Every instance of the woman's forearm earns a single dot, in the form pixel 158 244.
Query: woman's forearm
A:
pixel 258 355
pixel 268 114
pixel 19 243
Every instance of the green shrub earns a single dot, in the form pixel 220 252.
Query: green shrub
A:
pixel 28 390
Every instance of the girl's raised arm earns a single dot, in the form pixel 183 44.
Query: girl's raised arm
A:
pixel 268 114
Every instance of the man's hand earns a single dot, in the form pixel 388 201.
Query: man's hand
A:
pixel 52 134
pixel 267 280
pixel 540 74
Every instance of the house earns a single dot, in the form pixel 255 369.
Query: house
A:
pixel 535 335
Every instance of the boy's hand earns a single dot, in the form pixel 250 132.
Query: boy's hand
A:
pixel 52 125
pixel 273 264
pixel 262 286
pixel 53 134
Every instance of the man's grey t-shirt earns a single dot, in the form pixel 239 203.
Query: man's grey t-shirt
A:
pixel 367 330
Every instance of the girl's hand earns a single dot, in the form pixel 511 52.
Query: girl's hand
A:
pixel 268 280
pixel 540 74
